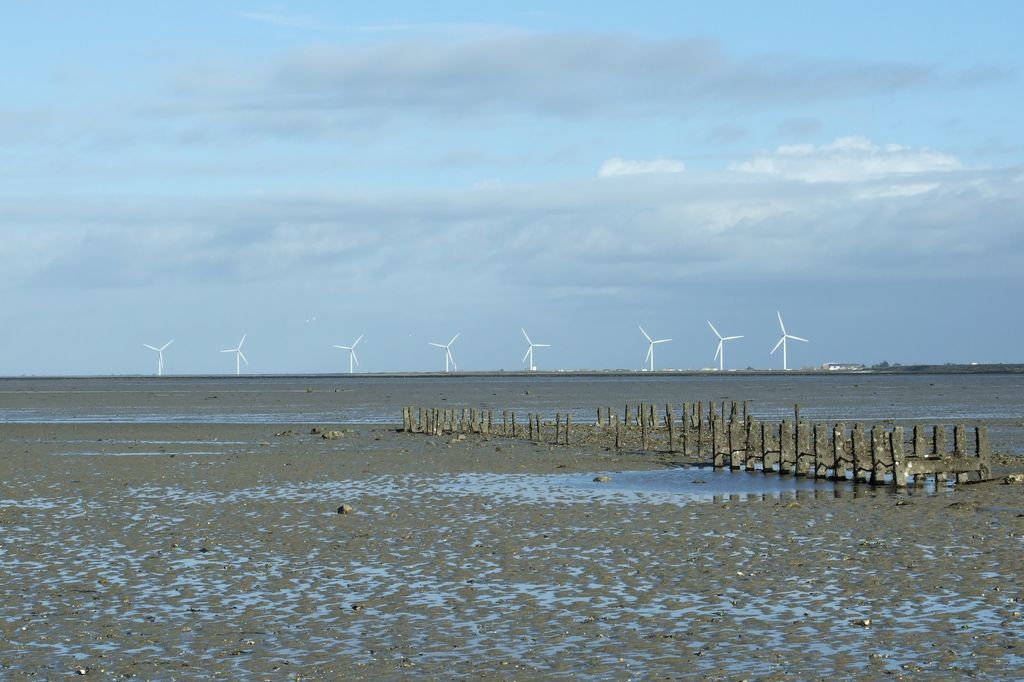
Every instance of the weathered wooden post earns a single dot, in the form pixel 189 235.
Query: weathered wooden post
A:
pixel 529 418
pixel 981 449
pixel 599 422
pixel 670 422
pixel 618 433
pixel 752 450
pixel 787 447
pixel 513 414
pixel 839 451
pixel 719 441
pixel 642 414
pixel 626 416
pixel 939 441
pixel 770 454
pixel 899 460
pixel 558 428
pixel 880 444
pixel 746 409
pixel 823 460
pixel 861 455
pixel 959 441
pixel 504 423
pixel 700 428
pixel 804 454
pixel 568 425
pixel 737 441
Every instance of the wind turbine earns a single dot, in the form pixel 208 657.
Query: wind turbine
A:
pixel 160 356
pixel 782 341
pixel 529 351
pixel 650 348
pixel 351 353
pixel 720 353
pixel 239 356
pixel 448 357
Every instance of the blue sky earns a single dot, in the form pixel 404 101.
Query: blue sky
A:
pixel 306 172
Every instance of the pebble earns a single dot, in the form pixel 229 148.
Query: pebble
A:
pixel 346 509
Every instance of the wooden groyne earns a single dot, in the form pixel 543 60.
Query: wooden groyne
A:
pixel 728 435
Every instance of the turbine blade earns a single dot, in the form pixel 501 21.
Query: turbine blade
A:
pixel 453 338
pixel 526 335
pixel 452 358
pixel 242 355
pixel 527 353
pixel 781 326
pixel 730 338
pixel 718 351
pixel 242 341
pixel 644 333
pixel 797 338
pixel 357 342
pixel 439 345
pixel 661 341
pixel 342 347
pixel 151 347
pixel 354 356
pixel 714 330
pixel 230 350
pixel 167 344
pixel 542 345
pixel 777 345
pixel 650 352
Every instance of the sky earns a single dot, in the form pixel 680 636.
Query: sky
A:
pixel 308 172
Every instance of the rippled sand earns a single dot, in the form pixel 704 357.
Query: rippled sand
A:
pixel 216 552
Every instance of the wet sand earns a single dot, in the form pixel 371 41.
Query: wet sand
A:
pixel 217 552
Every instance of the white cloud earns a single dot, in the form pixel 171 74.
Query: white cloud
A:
pixel 846 159
pixel 617 166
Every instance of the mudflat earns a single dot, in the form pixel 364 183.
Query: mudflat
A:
pixel 190 551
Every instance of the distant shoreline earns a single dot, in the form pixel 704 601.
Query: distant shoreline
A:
pixel 944 369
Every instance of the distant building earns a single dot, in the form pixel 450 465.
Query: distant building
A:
pixel 842 366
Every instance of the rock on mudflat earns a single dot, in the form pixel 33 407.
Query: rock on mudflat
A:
pixel 332 435
pixel 1014 478
pixel 602 479
pixel 346 509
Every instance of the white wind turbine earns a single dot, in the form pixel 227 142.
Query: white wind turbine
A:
pixel 239 356
pixel 529 351
pixel 448 357
pixel 782 341
pixel 160 356
pixel 650 347
pixel 351 353
pixel 720 352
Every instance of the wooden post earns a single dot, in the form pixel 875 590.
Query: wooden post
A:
pixel 770 455
pixel 529 418
pixel 839 450
pixel 700 428
pixel 568 424
pixel 959 441
pixel 618 433
pixel 753 447
pixel 861 455
pixel 513 424
pixel 804 454
pixel 879 453
pixel 899 460
pixel 558 428
pixel 419 421
pixel 670 421
pixel 504 423
pixel 981 449
pixel 734 413
pixel 625 416
pixel 939 441
pixel 599 422
pixel 787 447
pixel 642 414
pixel 737 442
pixel 746 409
pixel 719 441
pixel 823 460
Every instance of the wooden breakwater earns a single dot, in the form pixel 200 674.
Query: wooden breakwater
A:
pixel 730 436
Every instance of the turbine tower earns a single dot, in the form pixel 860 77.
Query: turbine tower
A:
pixel 782 342
pixel 720 352
pixel 160 356
pixel 448 357
pixel 529 351
pixel 351 353
pixel 239 356
pixel 650 348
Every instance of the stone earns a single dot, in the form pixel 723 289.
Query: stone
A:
pixel 602 479
pixel 332 435
pixel 1014 478
pixel 346 509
